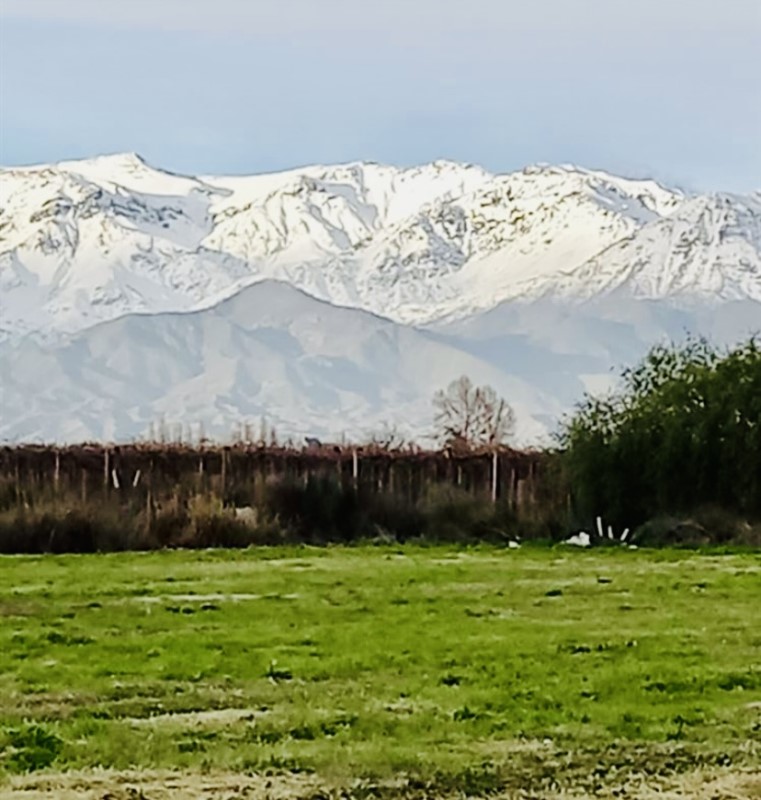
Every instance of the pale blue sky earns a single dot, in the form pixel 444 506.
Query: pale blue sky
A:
pixel 669 88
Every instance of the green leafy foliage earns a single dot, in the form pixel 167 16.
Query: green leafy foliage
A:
pixel 684 432
pixel 31 748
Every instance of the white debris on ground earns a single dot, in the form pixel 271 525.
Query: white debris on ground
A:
pixel 581 539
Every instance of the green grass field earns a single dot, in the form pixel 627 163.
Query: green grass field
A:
pixel 392 671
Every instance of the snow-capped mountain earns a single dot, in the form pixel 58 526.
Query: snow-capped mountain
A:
pixel 87 241
pixel 334 299
pixel 706 252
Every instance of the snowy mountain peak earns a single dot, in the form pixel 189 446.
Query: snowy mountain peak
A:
pixel 86 241
pixel 708 250
pixel 109 162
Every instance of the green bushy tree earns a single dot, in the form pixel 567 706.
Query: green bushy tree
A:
pixel 683 431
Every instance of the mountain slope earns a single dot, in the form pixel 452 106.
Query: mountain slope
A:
pixel 705 252
pixel 565 350
pixel 88 241
pixel 464 255
pixel 311 368
pixel 82 242
pixel 271 351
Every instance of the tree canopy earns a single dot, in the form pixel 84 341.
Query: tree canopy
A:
pixel 468 416
pixel 684 431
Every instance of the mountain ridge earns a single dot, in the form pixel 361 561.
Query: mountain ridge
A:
pixel 82 241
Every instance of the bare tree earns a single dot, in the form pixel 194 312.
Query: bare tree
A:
pixel 389 437
pixel 468 416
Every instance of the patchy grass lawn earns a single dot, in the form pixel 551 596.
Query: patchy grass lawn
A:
pixel 393 671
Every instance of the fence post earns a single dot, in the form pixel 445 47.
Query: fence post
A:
pixel 107 473
pixel 17 471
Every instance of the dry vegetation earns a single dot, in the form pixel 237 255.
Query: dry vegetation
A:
pixel 145 497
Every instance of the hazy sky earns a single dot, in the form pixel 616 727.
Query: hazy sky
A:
pixel 670 88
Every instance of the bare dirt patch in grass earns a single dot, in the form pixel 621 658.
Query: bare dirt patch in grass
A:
pixel 729 784
pixel 50 705
pixel 160 785
pixel 216 597
pixel 197 598
pixel 188 719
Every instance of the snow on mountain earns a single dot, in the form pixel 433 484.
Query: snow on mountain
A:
pixel 87 241
pixel 269 352
pixel 464 255
pixel 708 251
pixel 75 252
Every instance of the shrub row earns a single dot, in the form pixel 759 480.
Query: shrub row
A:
pixel 320 511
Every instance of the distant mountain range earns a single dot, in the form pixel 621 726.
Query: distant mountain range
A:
pixel 334 300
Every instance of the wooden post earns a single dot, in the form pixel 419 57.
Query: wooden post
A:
pixel 106 468
pixel 530 486
pixel 149 511
pixel 494 471
pixel 199 475
pixel 17 471
pixel 519 492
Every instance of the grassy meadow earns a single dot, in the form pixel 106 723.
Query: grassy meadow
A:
pixel 380 671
